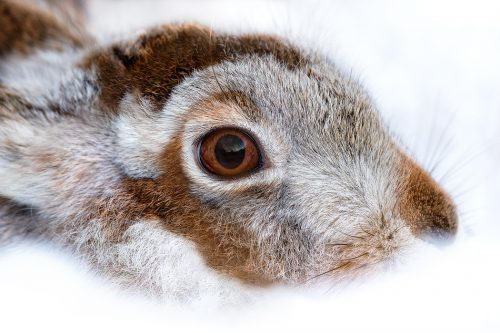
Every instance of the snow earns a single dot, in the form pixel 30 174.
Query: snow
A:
pixel 433 68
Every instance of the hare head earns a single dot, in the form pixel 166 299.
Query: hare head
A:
pixel 264 159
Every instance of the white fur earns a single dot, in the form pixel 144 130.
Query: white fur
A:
pixel 315 181
pixel 148 258
pixel 166 265
pixel 320 184
pixel 141 137
pixel 454 289
pixel 201 122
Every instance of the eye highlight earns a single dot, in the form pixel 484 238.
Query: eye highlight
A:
pixel 229 152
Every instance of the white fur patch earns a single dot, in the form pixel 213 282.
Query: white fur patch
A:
pixel 141 136
pixel 153 260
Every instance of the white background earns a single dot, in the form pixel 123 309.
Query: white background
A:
pixel 433 68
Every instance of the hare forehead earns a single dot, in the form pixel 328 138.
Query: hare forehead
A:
pixel 320 117
pixel 315 106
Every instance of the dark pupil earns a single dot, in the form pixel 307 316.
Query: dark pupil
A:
pixel 230 151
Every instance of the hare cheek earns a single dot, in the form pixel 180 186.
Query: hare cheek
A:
pixel 166 263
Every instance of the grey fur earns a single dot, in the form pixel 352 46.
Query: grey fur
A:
pixel 333 172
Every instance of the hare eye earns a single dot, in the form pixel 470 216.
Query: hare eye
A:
pixel 229 153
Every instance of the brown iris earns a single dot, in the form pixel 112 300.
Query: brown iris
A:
pixel 229 152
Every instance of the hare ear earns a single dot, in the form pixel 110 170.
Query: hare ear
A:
pixel 141 134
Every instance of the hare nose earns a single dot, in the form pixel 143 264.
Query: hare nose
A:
pixel 440 228
pixel 427 209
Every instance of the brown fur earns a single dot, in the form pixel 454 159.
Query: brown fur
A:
pixel 25 27
pixel 158 61
pixel 151 67
pixel 424 205
pixel 226 246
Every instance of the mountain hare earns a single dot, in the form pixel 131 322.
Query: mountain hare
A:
pixel 185 160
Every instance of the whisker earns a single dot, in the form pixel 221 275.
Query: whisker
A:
pixel 366 232
pixel 339 244
pixel 440 156
pixel 398 228
pixel 326 272
pixel 347 262
pixel 435 145
pixel 359 267
pixel 368 264
pixel 356 257
pixel 442 146
pixel 460 165
pixel 345 234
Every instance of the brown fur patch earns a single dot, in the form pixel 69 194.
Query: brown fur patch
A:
pixel 24 27
pixel 158 61
pixel 225 245
pixel 424 205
